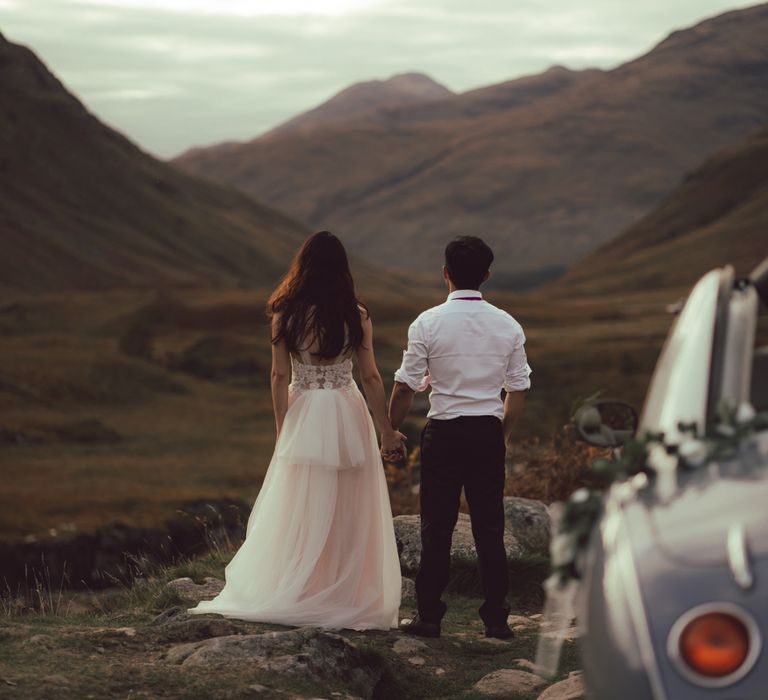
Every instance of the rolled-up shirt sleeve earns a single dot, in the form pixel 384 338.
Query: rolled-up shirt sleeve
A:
pixel 518 375
pixel 413 370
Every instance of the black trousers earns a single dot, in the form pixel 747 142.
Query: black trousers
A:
pixel 463 452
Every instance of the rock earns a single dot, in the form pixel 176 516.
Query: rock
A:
pixel 306 651
pixel 439 671
pixel 527 665
pixel 175 613
pixel 408 645
pixel 494 640
pixel 416 660
pixel 530 523
pixel 527 534
pixel 41 640
pixel 506 682
pixel 572 688
pixel 190 629
pixel 520 620
pixel 408 535
pixel 187 589
pixel 408 589
pixel 570 634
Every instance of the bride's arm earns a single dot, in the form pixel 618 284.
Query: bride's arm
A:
pixel 280 378
pixel 373 387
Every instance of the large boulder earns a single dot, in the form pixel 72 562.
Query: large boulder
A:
pixel 507 682
pixel 306 651
pixel 177 625
pixel 408 589
pixel 526 535
pixel 530 523
pixel 572 688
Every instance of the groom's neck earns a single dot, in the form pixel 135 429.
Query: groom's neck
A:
pixel 452 288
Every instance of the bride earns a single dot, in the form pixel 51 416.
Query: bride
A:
pixel 320 546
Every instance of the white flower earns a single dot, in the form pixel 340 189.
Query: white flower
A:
pixel 745 413
pixel 563 548
pixel 580 496
pixel 694 452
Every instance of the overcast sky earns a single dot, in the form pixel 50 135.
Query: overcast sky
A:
pixel 172 74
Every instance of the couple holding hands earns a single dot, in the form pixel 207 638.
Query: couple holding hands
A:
pixel 320 546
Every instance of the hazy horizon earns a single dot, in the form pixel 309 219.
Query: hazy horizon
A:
pixel 174 74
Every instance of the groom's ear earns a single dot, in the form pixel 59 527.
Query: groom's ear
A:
pixel 486 276
pixel 446 276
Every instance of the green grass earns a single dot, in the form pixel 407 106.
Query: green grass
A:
pixel 90 655
pixel 80 653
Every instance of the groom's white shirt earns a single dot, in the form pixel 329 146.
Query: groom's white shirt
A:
pixel 467 351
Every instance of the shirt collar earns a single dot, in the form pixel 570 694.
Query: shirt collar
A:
pixel 459 293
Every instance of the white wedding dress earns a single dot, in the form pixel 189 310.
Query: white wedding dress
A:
pixel 320 546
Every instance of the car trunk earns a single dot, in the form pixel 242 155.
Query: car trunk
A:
pixel 693 527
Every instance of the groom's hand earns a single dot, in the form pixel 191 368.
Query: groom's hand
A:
pixel 393 446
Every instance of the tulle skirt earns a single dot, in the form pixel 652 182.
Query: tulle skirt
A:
pixel 320 546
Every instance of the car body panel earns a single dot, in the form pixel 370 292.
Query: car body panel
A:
pixel 693 527
pixel 677 392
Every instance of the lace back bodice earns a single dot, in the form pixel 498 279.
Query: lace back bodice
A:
pixel 308 377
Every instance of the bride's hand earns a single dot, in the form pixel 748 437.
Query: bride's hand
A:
pixel 393 445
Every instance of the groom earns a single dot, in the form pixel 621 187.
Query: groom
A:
pixel 467 350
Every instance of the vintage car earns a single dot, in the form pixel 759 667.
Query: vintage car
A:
pixel 673 604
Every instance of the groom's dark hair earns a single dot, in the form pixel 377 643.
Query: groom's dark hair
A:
pixel 467 259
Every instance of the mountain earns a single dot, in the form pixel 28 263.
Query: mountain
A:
pixel 491 99
pixel 361 98
pixel 546 168
pixel 81 207
pixel 718 215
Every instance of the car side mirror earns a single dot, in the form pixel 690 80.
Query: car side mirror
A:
pixel 606 423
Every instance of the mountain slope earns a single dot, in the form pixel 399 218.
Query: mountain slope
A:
pixel 492 99
pixel 545 180
pixel 81 207
pixel 361 98
pixel 717 216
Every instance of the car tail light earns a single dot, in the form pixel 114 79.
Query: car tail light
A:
pixel 714 645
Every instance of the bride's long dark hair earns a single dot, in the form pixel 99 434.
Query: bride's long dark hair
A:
pixel 316 300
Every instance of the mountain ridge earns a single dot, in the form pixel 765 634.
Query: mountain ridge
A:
pixel 360 98
pixel 545 182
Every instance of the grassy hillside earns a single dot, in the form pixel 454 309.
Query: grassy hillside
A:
pixel 81 207
pixel 123 405
pixel 718 215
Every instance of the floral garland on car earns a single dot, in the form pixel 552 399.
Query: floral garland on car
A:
pixel 583 509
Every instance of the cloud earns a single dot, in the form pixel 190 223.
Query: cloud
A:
pixel 243 8
pixel 231 69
